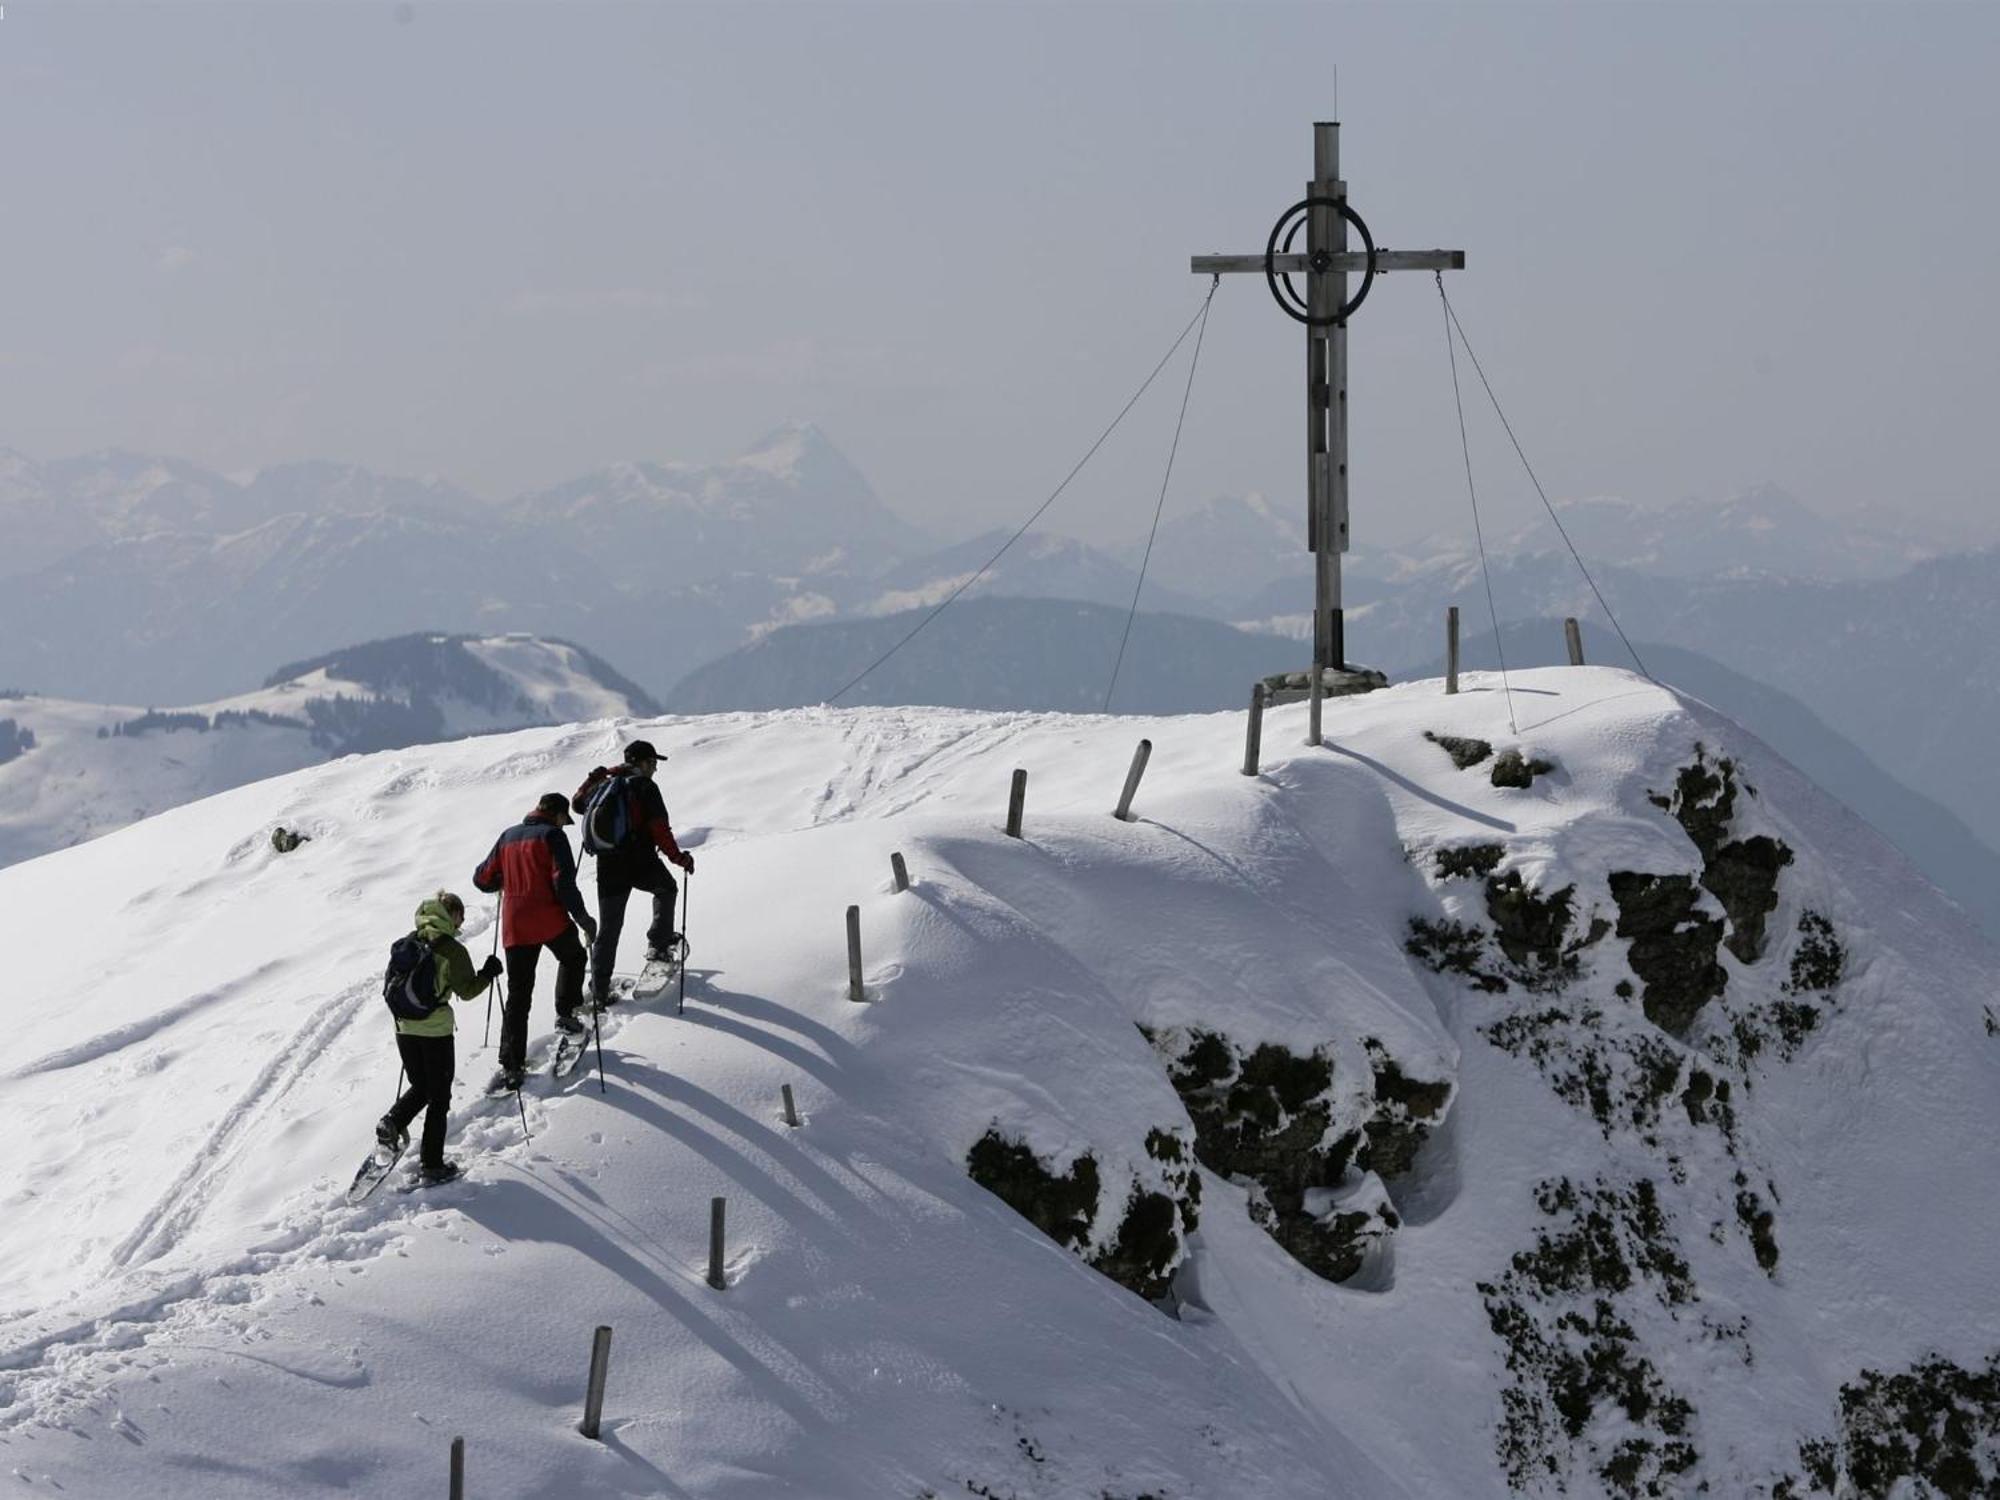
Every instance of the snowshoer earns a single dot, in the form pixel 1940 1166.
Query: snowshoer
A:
pixel 429 1055
pixel 532 868
pixel 626 827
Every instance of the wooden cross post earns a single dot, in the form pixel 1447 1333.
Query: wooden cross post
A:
pixel 1326 265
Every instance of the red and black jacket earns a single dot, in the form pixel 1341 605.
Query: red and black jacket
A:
pixel 645 813
pixel 535 873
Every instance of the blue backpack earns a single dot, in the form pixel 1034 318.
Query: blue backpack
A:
pixel 410 983
pixel 607 816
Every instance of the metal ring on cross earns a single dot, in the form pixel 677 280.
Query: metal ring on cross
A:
pixel 1289 223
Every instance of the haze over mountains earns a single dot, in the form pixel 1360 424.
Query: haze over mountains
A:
pixel 131 578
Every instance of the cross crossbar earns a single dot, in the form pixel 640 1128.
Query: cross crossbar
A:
pixel 1355 261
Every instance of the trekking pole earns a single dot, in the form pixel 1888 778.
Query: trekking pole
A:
pixel 687 900
pixel 523 1108
pixel 487 1040
pixel 597 1035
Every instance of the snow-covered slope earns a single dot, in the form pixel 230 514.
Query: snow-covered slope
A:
pixel 1628 1173
pixel 94 767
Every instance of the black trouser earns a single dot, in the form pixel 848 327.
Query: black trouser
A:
pixel 568 949
pixel 429 1061
pixel 617 879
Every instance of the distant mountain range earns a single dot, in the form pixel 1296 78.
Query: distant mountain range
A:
pixel 134 578
pixel 1048 654
pixel 71 771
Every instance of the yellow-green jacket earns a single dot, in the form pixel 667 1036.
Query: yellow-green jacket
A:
pixel 456 975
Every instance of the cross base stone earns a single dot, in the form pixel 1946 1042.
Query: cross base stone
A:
pixel 1335 682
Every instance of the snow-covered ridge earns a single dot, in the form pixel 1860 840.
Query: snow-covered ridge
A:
pixel 1631 1159
pixel 93 767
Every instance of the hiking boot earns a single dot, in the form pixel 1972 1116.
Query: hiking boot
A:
pixel 443 1172
pixel 666 952
pixel 389 1135
pixel 506 1081
pixel 567 1021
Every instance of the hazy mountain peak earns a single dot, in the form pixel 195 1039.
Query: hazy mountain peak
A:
pixel 800 453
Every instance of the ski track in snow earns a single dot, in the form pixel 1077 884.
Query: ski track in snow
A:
pixel 174 1214
pixel 143 1030
pixel 44 1370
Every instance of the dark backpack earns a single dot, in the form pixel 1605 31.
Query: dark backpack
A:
pixel 410 983
pixel 607 816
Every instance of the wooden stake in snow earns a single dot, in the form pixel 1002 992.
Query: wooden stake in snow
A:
pixel 900 872
pixel 1451 649
pixel 717 1207
pixel 1017 798
pixel 1139 759
pixel 791 1109
pixel 1253 736
pixel 854 989
pixel 1312 714
pixel 600 1366
pixel 1573 638
pixel 458 1468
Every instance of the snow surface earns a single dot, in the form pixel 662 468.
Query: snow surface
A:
pixel 188 1308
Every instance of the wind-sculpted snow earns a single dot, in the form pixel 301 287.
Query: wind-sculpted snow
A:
pixel 1370 1134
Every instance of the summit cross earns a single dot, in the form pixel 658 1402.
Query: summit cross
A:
pixel 1326 264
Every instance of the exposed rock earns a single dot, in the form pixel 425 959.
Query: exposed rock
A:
pixel 1571 1349
pixel 1145 1248
pixel 1530 929
pixel 1449 947
pixel 1405 1110
pixel 1513 769
pixel 1760 1223
pixel 1062 1207
pixel 1465 754
pixel 1819 960
pixel 1741 874
pixel 1672 946
pixel 1533 931
pixel 1468 860
pixel 284 840
pixel 1931 1430
pixel 1266 1120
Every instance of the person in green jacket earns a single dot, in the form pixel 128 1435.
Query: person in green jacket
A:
pixel 429 1057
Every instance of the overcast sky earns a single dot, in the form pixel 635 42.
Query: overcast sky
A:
pixel 1707 247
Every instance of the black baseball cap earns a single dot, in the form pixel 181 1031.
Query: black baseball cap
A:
pixel 640 750
pixel 555 807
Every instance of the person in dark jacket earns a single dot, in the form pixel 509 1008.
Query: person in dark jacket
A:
pixel 428 1052
pixel 532 868
pixel 631 863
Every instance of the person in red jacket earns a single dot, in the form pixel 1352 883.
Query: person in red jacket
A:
pixel 532 868
pixel 633 833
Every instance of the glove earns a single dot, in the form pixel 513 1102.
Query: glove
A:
pixel 492 968
pixel 589 925
pixel 686 862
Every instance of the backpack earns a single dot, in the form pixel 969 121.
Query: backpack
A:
pixel 607 816
pixel 410 983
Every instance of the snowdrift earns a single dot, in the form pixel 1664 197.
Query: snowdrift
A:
pixel 1588 1108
